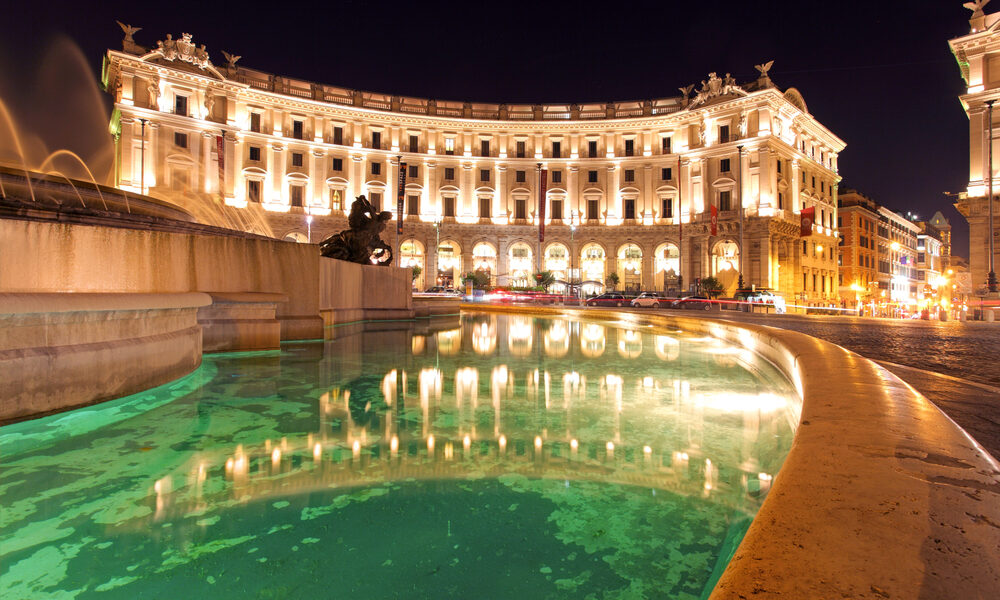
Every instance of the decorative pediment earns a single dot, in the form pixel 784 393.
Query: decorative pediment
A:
pixel 714 87
pixel 184 50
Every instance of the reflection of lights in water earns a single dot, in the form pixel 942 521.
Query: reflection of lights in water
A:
pixel 430 443
pixel 520 336
pixel 394 445
pixel 356 448
pixel 466 442
pixel 538 442
pixel 592 340
pixel 666 347
pixel 502 442
pixel 574 445
pixel 557 340
pixel 735 402
pixel 417 344
pixel 709 471
pixel 647 450
pixel 430 385
pixel 647 382
pixel 389 387
pixel 484 337
pixel 317 451
pixel 276 456
pixel 629 344
pixel 466 385
pixel 449 451
pixel 449 342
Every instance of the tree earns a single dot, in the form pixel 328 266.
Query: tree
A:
pixel 711 286
pixel 415 272
pixel 545 278
pixel 480 279
pixel 611 280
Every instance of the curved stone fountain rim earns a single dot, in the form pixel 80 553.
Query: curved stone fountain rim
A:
pixel 881 495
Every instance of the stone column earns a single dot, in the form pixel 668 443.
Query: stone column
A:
pixel 614 199
pixel 357 177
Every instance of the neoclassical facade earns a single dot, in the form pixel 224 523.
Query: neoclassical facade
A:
pixel 631 186
pixel 978 56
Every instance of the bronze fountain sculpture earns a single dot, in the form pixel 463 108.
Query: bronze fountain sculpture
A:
pixel 361 243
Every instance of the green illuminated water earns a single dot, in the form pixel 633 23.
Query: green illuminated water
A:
pixel 494 457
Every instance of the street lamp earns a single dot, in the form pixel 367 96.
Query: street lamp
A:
pixel 572 248
pixel 739 171
pixel 309 228
pixel 437 248
pixel 991 279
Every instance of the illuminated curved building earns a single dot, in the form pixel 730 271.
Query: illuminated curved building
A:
pixel 631 186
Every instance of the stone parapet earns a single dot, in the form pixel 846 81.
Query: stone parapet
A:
pixel 62 351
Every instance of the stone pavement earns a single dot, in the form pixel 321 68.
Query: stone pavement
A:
pixel 955 365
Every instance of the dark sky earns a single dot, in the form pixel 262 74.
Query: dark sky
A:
pixel 879 75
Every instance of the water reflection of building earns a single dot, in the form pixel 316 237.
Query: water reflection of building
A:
pixel 623 176
pixel 439 417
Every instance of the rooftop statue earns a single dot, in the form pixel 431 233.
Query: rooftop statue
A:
pixel 976 7
pixel 361 243
pixel 129 31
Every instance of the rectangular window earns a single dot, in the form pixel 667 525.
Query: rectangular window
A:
pixel 413 171
pixel 255 153
pixel 840 223
pixel 181 105
pixel 814 182
pixel 484 147
pixel 556 149
pixel 666 173
pixel 180 139
pixel 413 204
pixel 814 282
pixel 297 130
pixel 725 200
pixel 376 168
pixel 338 164
pixel 335 199
pixel 822 186
pixel 591 176
pixel 723 134
pixel 557 213
pixel 338 135
pixel 804 249
pixel 667 208
pixel 666 145
pixel 781 201
pixel 593 212
pixel 630 208
pixel 804 276
pixel 296 192
pixel 449 146
pixel 376 199
pixel 253 190
pixel 519 208
pixel 519 176
pixel 449 173
pixel 592 148
pixel 255 122
pixel 556 176
pixel 414 144
pixel 861 262
pixel 296 159
pixel 377 140
pixel 484 208
pixel 520 149
pixel 629 175
pixel 803 177
pixel 724 165
pixel 484 174
pixel 629 147
pixel 779 166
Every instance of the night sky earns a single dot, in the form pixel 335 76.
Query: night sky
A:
pixel 879 75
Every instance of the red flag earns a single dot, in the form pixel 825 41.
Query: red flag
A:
pixel 808 216
pixel 541 206
pixel 220 147
pixel 715 220
pixel 399 197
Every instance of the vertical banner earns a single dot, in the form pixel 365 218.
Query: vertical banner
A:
pixel 220 148
pixel 400 193
pixel 541 206
pixel 715 220
pixel 806 226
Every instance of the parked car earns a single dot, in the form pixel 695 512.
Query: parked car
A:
pixel 443 291
pixel 608 299
pixel 766 297
pixel 693 302
pixel 649 300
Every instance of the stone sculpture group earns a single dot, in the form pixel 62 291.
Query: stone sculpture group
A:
pixel 362 242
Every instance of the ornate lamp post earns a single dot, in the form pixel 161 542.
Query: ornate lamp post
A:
pixel 309 228
pixel 991 279
pixel 739 172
